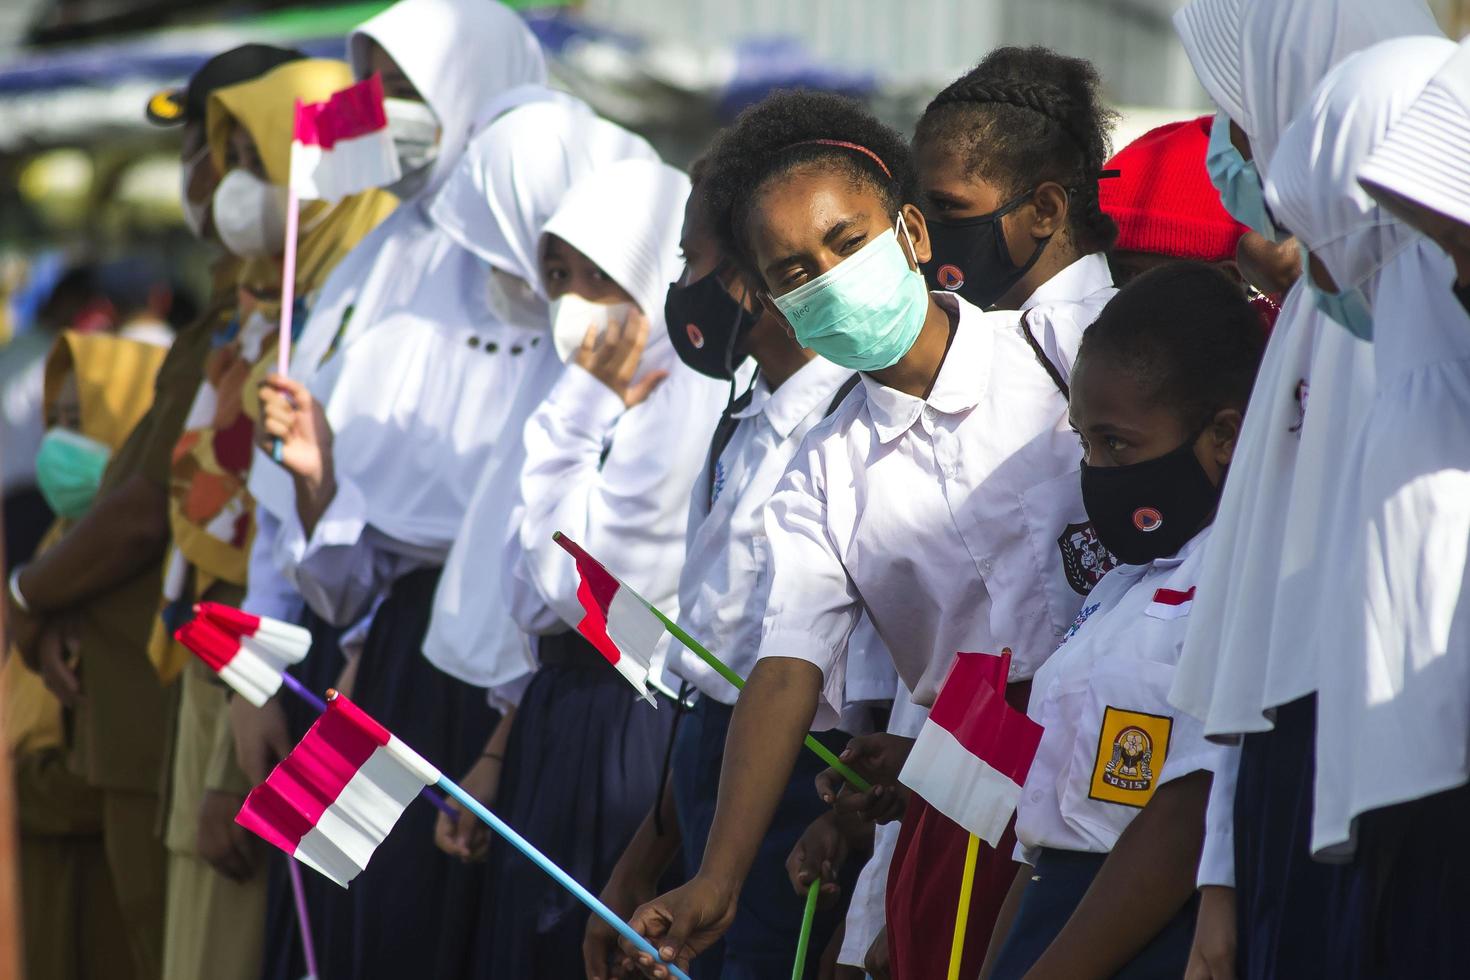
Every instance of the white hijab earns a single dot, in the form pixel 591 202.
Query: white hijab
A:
pixel 459 54
pixel 516 174
pixel 1210 32
pixel 523 166
pixel 1288 46
pixel 1426 155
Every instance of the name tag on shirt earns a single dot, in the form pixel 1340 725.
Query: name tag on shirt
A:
pixel 1131 749
pixel 1170 604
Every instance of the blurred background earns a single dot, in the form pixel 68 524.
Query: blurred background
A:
pixel 84 181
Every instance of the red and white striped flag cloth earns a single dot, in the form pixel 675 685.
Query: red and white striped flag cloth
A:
pixel 248 652
pixel 336 796
pixel 618 622
pixel 342 146
pixel 972 755
pixel 1170 604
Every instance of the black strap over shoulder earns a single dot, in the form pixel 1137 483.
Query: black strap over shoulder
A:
pixel 842 393
pixel 724 432
pixel 1046 364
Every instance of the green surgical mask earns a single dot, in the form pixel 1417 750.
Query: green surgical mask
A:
pixel 864 313
pixel 69 469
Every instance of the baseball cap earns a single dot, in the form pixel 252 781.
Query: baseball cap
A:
pixel 177 106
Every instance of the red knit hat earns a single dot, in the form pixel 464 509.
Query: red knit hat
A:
pixel 1163 200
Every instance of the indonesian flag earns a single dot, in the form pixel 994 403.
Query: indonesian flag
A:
pixel 1170 604
pixel 971 757
pixel 618 622
pixel 248 652
pixel 333 800
pixel 342 146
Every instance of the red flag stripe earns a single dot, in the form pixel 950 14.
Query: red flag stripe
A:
pixel 230 619
pixel 593 626
pixel 352 112
pixel 208 642
pixel 599 582
pixel 1170 597
pixel 972 707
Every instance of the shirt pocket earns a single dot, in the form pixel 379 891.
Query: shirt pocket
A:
pixel 1123 740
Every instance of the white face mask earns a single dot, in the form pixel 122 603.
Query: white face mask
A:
pixel 250 215
pixel 512 300
pixel 195 213
pixel 415 132
pixel 571 315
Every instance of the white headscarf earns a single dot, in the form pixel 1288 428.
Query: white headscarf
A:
pixel 1426 155
pixel 459 54
pixel 523 165
pixel 516 174
pixel 1313 189
pixel 1288 46
pixel 1210 31
pixel 606 218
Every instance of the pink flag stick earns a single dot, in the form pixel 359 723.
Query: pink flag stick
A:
pixel 308 945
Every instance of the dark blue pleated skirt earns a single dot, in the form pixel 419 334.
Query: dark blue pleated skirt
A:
pixel 1295 917
pixel 1058 882
pixel 582 768
pixel 414 911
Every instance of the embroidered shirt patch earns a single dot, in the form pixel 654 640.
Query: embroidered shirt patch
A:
pixel 1131 749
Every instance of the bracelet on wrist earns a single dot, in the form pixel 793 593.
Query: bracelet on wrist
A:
pixel 498 757
pixel 16 596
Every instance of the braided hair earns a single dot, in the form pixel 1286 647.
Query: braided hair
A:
pixel 793 130
pixel 1026 115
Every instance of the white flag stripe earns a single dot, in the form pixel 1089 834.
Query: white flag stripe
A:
pixel 253 674
pixel 352 827
pixel 1165 610
pixel 632 627
pixel 959 784
pixel 351 166
pixel 286 642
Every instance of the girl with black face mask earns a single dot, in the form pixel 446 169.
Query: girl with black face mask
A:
pixel 1008 159
pixel 1158 410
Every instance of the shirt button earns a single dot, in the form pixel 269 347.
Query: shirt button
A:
pixel 986 564
pixel 1036 796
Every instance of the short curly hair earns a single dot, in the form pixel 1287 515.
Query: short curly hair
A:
pixel 1026 115
pixel 1187 332
pixel 796 129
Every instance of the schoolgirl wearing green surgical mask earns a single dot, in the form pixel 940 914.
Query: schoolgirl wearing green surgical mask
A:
pixel 941 497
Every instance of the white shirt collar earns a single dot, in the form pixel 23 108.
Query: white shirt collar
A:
pixel 815 381
pixel 1082 277
pixel 1169 562
pixel 961 383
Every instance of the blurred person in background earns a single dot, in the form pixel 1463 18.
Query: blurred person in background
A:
pixel 81 613
pixel 216 892
pixel 96 389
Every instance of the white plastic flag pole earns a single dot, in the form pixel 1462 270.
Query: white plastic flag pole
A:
pixel 288 287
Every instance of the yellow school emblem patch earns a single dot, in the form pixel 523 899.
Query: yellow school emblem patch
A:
pixel 1131 749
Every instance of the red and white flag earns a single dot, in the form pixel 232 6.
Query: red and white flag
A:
pixel 336 796
pixel 249 653
pixel 342 146
pixel 972 755
pixel 1170 603
pixel 618 622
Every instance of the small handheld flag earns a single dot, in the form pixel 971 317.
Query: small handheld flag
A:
pixel 338 794
pixel 252 666
pixel 342 146
pixel 625 628
pixel 970 763
pixel 335 797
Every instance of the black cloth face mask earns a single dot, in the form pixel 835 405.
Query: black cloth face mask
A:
pixel 1149 510
pixel 971 256
pixel 706 326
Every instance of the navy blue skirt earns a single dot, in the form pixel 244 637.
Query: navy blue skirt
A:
pixel 414 911
pixel 583 767
pixel 1295 917
pixel 762 940
pixel 1058 882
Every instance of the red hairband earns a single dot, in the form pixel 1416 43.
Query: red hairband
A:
pixel 848 146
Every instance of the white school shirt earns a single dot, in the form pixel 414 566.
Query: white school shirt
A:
pixel 1111 738
pixel 615 480
pixel 953 522
pixel 721 589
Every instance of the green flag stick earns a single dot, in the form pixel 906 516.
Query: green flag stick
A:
pixel 805 938
pixel 842 768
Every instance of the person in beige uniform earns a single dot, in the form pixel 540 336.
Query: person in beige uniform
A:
pixel 81 614
pixel 96 387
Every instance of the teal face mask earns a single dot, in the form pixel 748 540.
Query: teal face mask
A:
pixel 865 313
pixel 1349 307
pixel 1236 179
pixel 68 470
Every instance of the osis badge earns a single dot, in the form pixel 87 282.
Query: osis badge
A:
pixel 1084 558
pixel 1131 750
